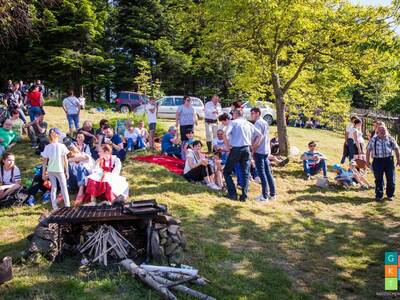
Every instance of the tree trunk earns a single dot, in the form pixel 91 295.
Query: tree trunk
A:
pixel 280 116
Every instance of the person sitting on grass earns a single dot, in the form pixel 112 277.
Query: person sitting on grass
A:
pixel 80 165
pixel 37 132
pixel 8 137
pixel 313 162
pixel 105 181
pixel 187 144
pixel 197 167
pixel 219 146
pixel 99 132
pixel 10 175
pixel 142 133
pixel 349 177
pixel 114 140
pixel 90 137
pixel 17 124
pixel 132 139
pixel 170 144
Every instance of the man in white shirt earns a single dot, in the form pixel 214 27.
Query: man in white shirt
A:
pixel 72 108
pixel 349 140
pixel 261 158
pixel 241 136
pixel 211 110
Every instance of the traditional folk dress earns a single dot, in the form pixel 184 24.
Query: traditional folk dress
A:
pixel 106 181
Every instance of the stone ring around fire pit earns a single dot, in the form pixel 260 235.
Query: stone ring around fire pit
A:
pixel 145 224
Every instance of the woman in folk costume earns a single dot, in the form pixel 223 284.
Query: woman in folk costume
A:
pixel 105 180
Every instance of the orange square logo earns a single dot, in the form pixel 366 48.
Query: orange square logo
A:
pixel 390 271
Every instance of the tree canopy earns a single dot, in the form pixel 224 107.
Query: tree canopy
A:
pixel 308 56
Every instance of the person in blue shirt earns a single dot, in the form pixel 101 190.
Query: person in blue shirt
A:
pixel 313 161
pixel 114 140
pixel 170 143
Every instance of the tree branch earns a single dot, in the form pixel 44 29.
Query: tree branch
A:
pixel 296 74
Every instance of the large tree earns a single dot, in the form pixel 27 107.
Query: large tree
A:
pixel 283 41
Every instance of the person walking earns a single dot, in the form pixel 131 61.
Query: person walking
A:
pixel 211 110
pixel 72 108
pixel 381 148
pixel 241 135
pixel 185 117
pixel 261 158
pixel 55 167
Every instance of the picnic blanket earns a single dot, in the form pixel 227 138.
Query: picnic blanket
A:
pixel 173 164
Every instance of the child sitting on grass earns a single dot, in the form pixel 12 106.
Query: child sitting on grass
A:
pixel 349 177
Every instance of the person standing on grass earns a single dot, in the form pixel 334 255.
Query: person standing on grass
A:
pixel 211 110
pixel 359 147
pixel 381 148
pixel 185 117
pixel 152 110
pixel 261 157
pixel 55 167
pixel 35 101
pixel 241 136
pixel 313 161
pixel 349 146
pixel 72 108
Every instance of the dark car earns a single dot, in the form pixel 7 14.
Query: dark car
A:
pixel 128 101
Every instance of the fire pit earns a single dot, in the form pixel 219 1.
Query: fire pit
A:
pixel 144 227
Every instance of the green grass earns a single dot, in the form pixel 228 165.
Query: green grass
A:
pixel 309 244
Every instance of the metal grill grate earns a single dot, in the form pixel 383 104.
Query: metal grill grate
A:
pixel 132 211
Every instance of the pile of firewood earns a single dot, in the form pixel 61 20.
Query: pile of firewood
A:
pixel 164 279
pixel 167 241
pixel 104 241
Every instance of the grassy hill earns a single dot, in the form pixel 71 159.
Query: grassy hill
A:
pixel 309 244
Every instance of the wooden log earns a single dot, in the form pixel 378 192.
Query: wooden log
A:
pixel 147 279
pixel 182 281
pixel 176 277
pixel 182 289
pixel 151 268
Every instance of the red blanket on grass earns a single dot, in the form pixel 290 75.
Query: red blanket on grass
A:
pixel 173 164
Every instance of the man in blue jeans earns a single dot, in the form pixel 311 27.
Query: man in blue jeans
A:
pixel 381 147
pixel 72 108
pixel 240 135
pixel 261 158
pixel 313 161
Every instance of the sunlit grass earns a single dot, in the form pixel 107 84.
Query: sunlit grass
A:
pixel 310 243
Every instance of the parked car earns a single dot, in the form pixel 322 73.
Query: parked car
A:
pixel 128 101
pixel 168 105
pixel 267 112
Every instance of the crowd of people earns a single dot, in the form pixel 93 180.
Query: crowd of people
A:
pixel 88 162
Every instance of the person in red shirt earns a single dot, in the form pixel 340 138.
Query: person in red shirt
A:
pixel 35 102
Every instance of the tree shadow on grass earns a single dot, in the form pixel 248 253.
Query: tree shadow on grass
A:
pixel 320 257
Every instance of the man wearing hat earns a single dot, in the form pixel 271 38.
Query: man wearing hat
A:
pixel 381 148
pixel 170 143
